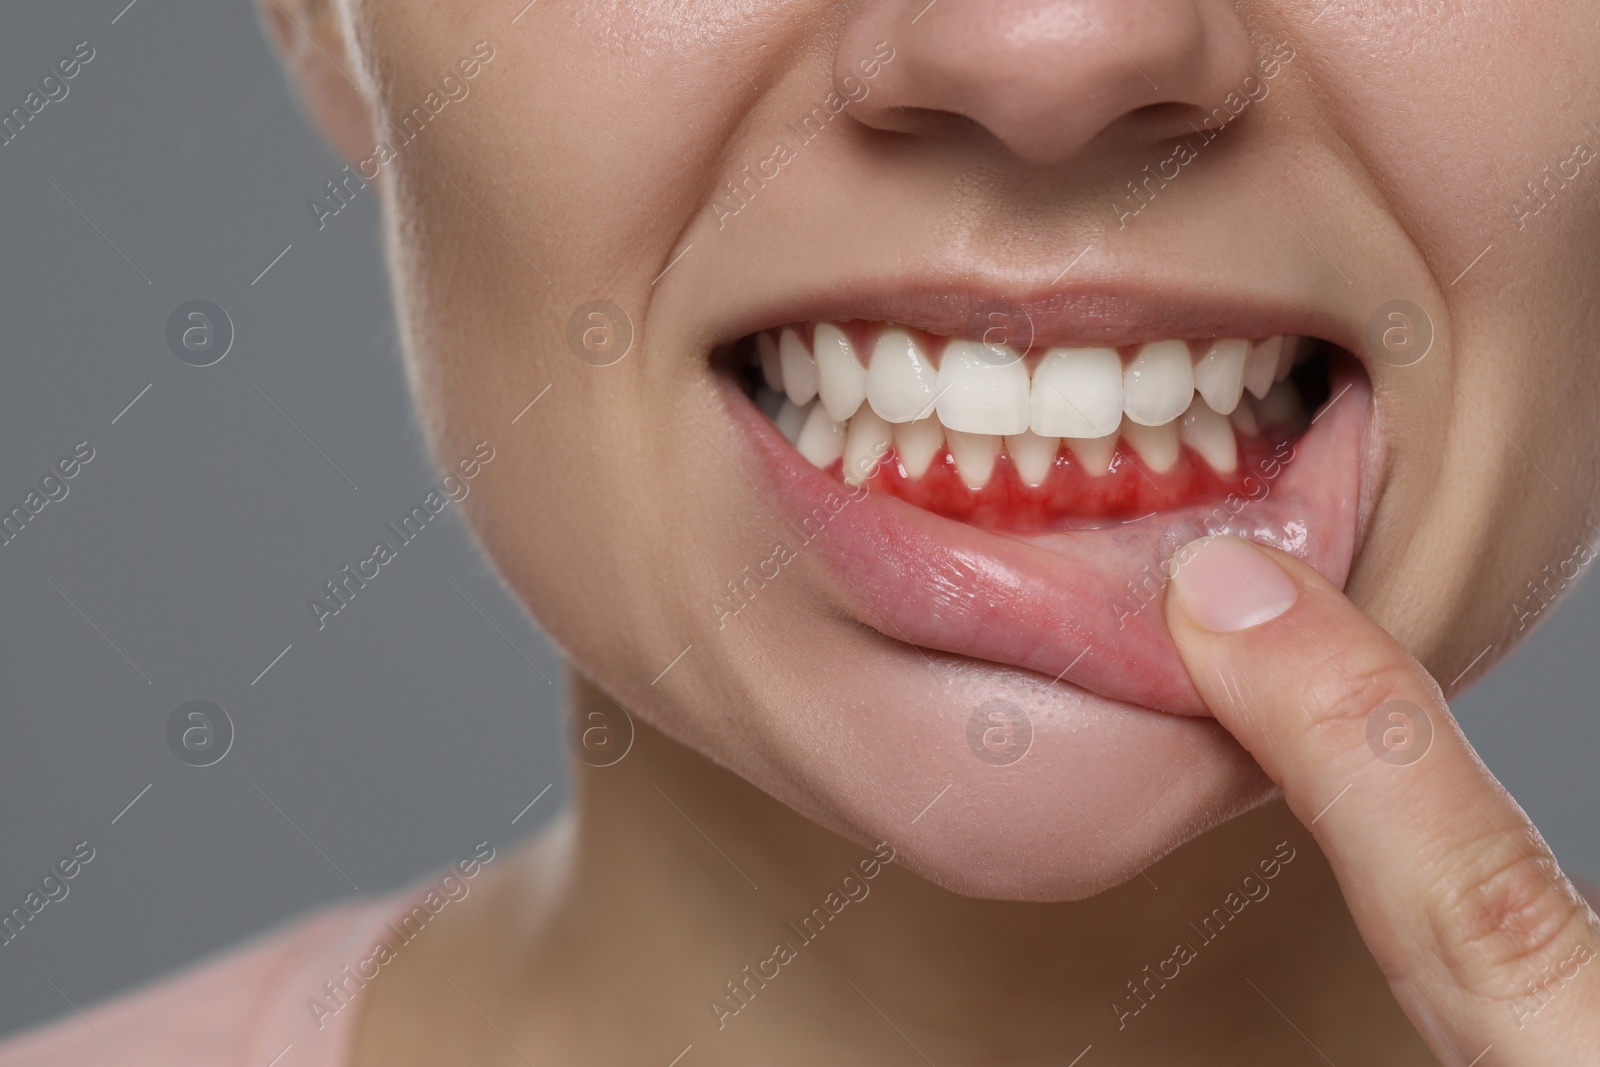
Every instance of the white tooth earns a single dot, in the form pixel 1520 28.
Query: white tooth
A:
pixel 1033 456
pixel 1262 366
pixel 1156 445
pixel 799 370
pixel 790 418
pixel 841 379
pixel 900 380
pixel 1281 406
pixel 1158 384
pixel 1293 347
pixel 1077 392
pixel 974 454
pixel 982 388
pixel 1243 418
pixel 1211 435
pixel 1093 453
pixel 769 402
pixel 771 368
pixel 917 443
pixel 866 443
pixel 821 439
pixel 1219 376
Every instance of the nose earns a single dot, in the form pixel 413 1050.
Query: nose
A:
pixel 1043 77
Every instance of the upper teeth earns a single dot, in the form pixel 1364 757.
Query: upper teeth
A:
pixel 799 369
pixel 900 379
pixel 1077 392
pixel 841 379
pixel 980 393
pixel 1219 376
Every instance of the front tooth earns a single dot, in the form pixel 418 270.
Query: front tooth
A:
pixel 900 380
pixel 1261 368
pixel 1034 456
pixel 841 379
pixel 1219 376
pixel 1211 435
pixel 1156 445
pixel 974 454
pixel 821 439
pixel 1093 453
pixel 790 418
pixel 799 370
pixel 1077 392
pixel 771 368
pixel 866 443
pixel 917 443
pixel 982 389
pixel 1158 384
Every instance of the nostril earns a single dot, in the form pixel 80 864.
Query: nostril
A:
pixel 925 122
pixel 1166 120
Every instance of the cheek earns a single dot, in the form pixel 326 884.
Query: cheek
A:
pixel 1475 439
pixel 546 210
pixel 548 213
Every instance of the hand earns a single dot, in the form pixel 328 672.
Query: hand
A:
pixel 1489 949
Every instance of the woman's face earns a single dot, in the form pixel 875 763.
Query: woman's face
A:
pixel 982 676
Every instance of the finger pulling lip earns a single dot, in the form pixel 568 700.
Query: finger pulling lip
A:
pixel 1081 606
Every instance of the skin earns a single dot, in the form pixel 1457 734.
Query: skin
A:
pixel 582 166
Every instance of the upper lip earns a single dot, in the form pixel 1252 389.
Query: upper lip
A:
pixel 1092 313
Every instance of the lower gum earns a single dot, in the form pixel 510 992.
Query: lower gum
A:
pixel 1070 496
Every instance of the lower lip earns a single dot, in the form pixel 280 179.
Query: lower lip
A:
pixel 1082 606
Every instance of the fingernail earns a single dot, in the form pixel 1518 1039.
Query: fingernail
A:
pixel 1225 584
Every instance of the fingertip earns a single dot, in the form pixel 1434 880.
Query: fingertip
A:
pixel 1226 584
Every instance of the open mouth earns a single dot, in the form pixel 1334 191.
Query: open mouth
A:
pixel 1022 504
pixel 1040 439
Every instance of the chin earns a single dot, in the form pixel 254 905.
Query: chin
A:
pixel 999 784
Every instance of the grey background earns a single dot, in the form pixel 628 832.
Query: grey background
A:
pixel 405 730
pixel 412 725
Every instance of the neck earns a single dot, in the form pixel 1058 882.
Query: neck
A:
pixel 742 924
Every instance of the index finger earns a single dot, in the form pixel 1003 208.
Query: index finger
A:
pixel 1485 943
